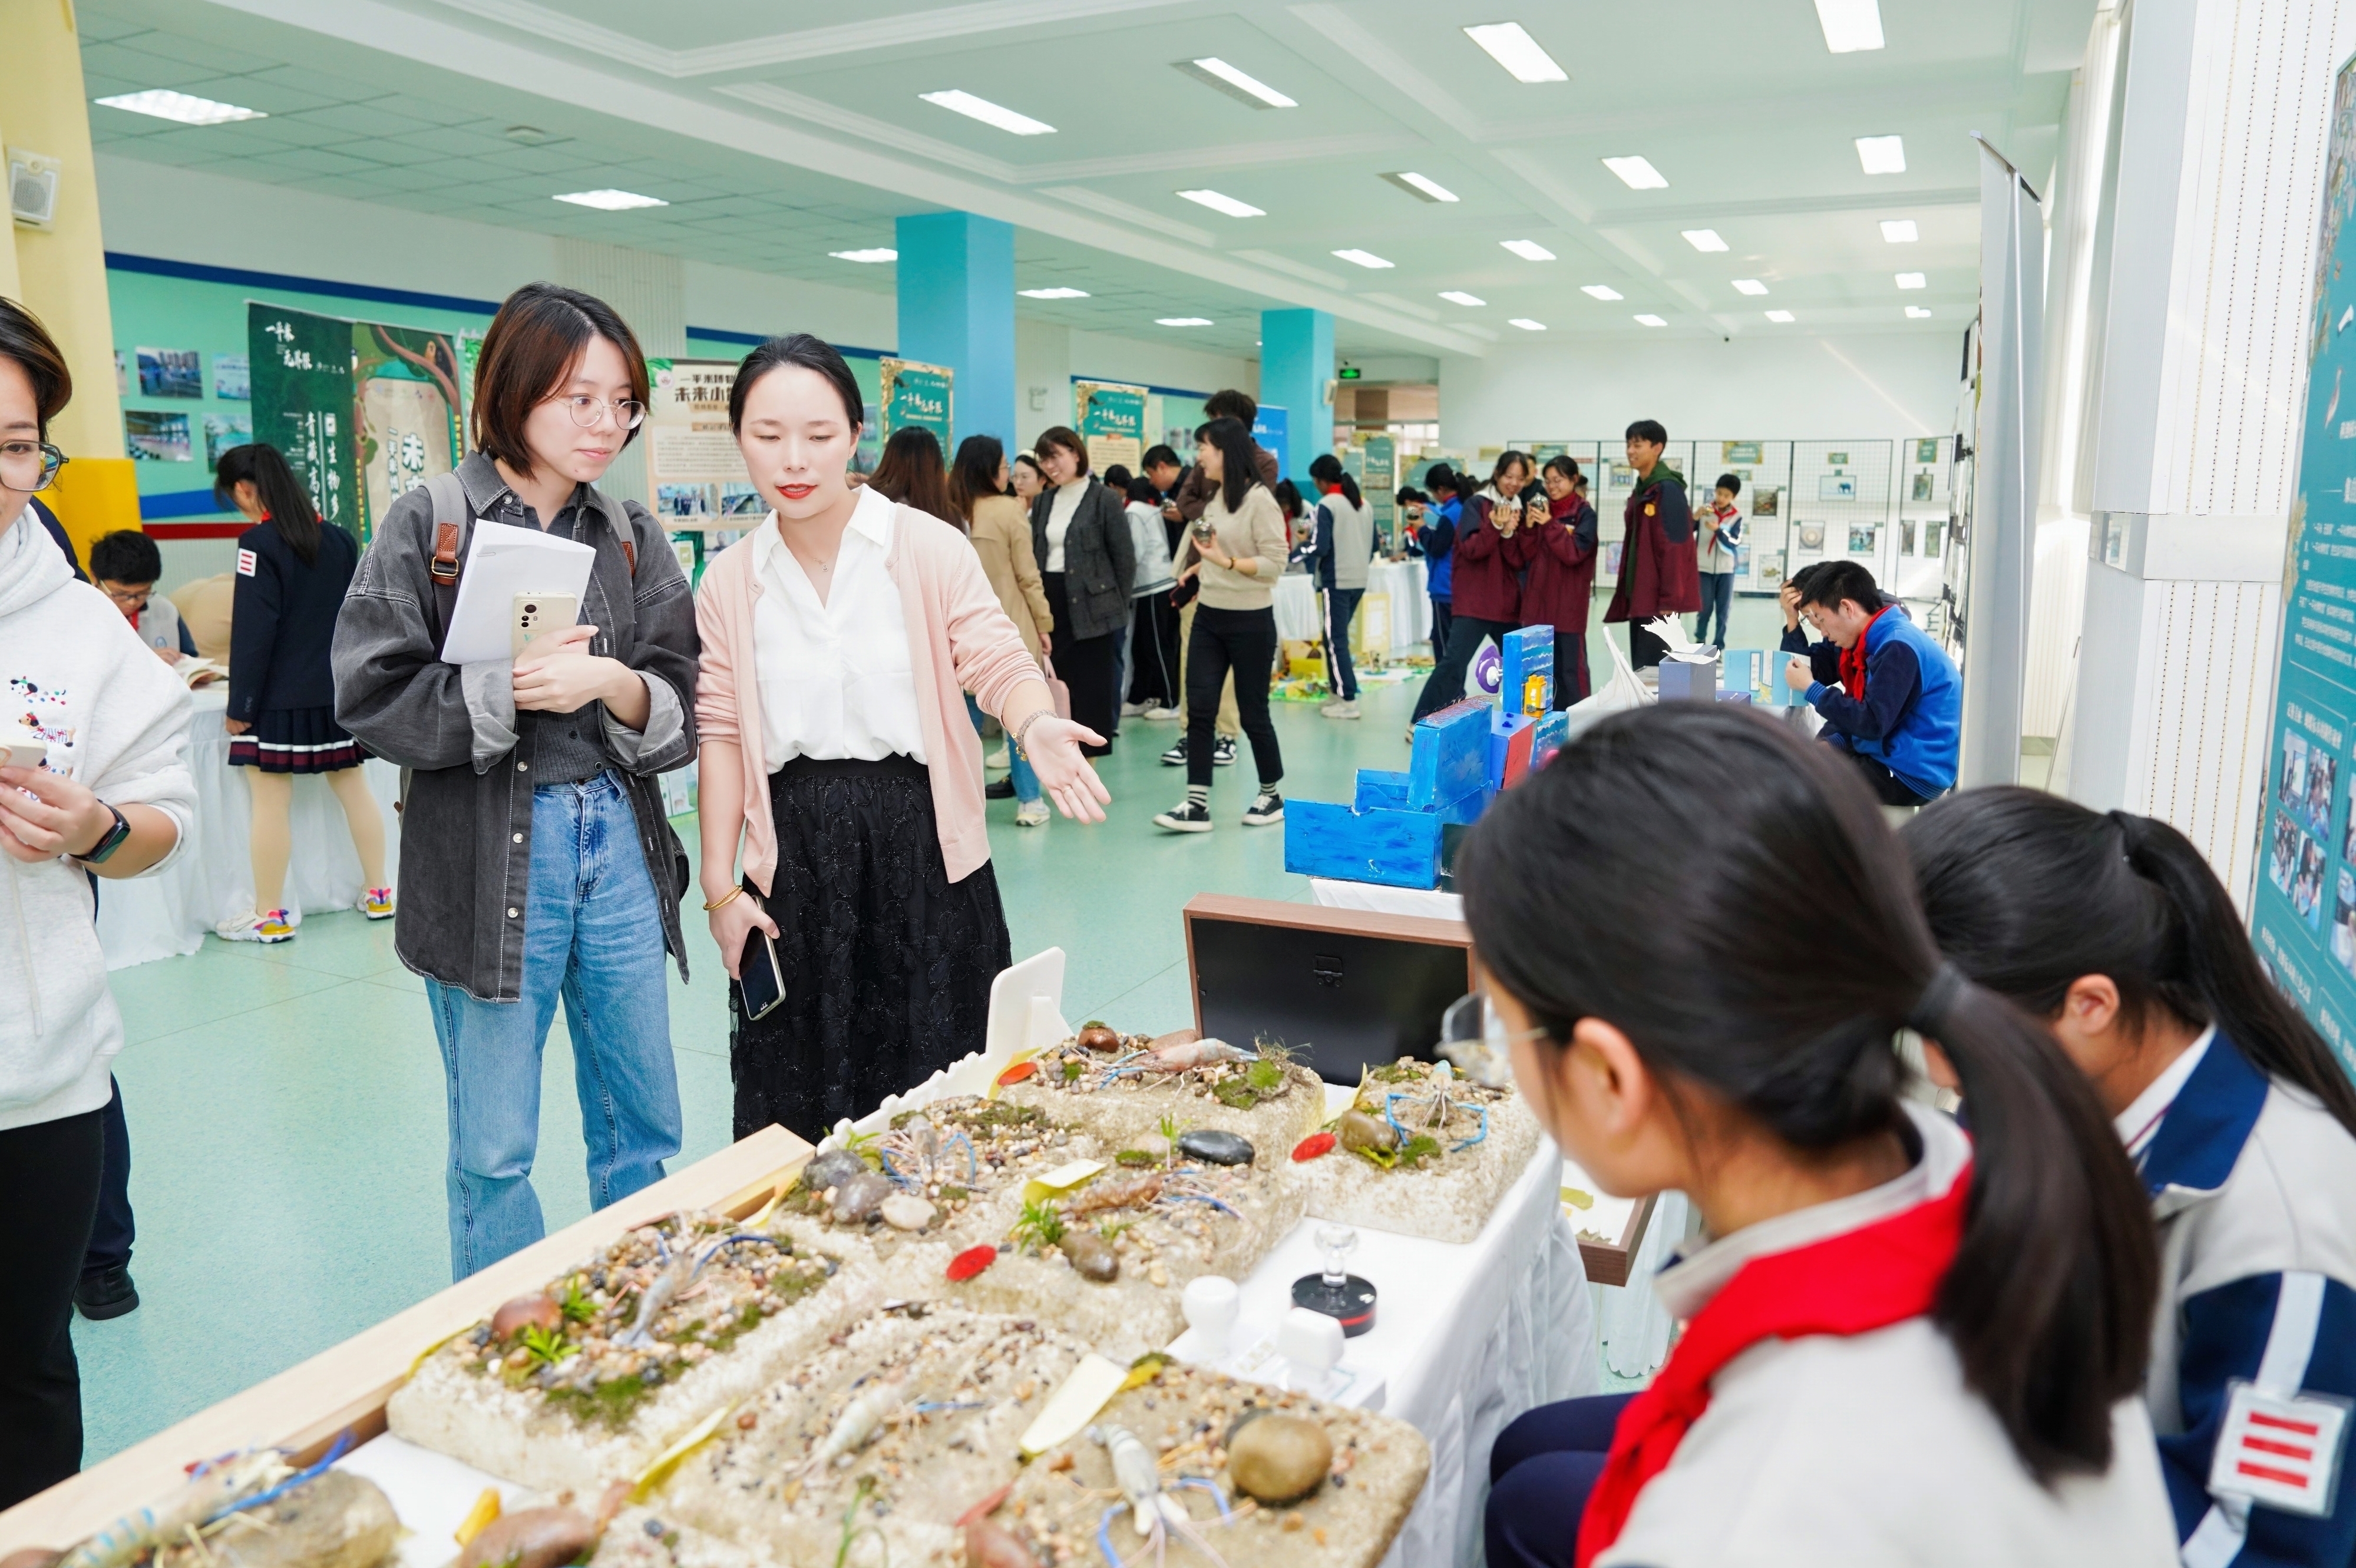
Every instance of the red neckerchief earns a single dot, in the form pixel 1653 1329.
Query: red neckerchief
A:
pixel 1854 1282
pixel 1852 660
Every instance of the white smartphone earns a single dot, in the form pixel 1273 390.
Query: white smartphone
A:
pixel 25 754
pixel 536 613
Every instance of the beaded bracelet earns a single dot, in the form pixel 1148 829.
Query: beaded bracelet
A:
pixel 1024 727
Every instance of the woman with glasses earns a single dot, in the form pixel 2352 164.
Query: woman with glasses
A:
pixel 536 862
pixel 292 574
pixel 92 784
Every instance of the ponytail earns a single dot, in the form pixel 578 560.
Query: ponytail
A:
pixel 2029 892
pixel 284 500
pixel 1621 862
pixel 1328 470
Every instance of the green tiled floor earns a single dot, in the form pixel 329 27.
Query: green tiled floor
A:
pixel 286 1102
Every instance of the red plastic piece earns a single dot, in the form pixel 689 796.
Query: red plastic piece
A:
pixel 971 1262
pixel 1312 1145
pixel 1018 1072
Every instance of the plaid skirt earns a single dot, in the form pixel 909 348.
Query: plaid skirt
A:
pixel 296 741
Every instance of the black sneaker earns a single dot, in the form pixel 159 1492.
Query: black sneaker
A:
pixel 1268 807
pixel 1175 757
pixel 108 1292
pixel 999 789
pixel 1223 752
pixel 1186 817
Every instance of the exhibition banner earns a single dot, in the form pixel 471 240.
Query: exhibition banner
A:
pixel 2304 910
pixel 364 411
pixel 1379 480
pixel 919 394
pixel 1111 417
pixel 694 469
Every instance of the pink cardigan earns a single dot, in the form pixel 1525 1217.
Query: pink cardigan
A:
pixel 953 624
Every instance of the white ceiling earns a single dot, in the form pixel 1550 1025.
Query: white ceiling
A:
pixel 779 133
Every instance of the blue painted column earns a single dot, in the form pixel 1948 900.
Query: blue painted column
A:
pixel 1296 360
pixel 957 308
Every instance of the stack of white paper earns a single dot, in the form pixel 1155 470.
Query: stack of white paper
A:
pixel 502 562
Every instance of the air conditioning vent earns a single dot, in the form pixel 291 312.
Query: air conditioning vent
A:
pixel 32 189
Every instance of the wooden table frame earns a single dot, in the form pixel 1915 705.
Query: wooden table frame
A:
pixel 302 1408
pixel 1608 1263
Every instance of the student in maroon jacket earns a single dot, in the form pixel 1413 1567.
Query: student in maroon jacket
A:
pixel 1660 573
pixel 1487 588
pixel 1556 546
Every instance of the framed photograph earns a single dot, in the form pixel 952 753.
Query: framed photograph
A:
pixel 1766 502
pixel 1837 459
pixel 223 432
pixel 170 373
pixel 1861 541
pixel 1931 534
pixel 155 437
pixel 686 502
pixel 1733 452
pixel 1906 537
pixel 1836 488
pixel 1921 489
pixel 1812 537
pixel 233 378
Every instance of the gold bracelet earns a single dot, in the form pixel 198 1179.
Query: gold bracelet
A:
pixel 734 893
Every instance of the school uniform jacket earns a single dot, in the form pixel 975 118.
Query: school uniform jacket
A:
pixel 1486 584
pixel 2253 1184
pixel 1559 559
pixel 1659 572
pixel 283 625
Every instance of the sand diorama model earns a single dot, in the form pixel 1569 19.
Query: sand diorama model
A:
pixel 1422 1151
pixel 1120 1087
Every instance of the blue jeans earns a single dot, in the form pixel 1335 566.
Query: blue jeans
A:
pixel 1026 778
pixel 1717 593
pixel 592 935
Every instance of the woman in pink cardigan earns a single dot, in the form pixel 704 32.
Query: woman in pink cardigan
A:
pixel 839 639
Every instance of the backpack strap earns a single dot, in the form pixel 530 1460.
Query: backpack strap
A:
pixel 617 517
pixel 454 522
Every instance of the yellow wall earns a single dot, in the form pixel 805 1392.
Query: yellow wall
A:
pixel 60 273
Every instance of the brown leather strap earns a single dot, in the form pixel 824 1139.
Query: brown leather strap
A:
pixel 629 555
pixel 444 568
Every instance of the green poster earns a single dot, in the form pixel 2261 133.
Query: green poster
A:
pixel 302 402
pixel 406 424
pixel 1111 416
pixel 1379 480
pixel 919 394
pixel 1744 451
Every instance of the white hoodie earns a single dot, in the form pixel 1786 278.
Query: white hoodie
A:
pixel 74 675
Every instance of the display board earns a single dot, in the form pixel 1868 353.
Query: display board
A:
pixel 1378 479
pixel 917 394
pixel 364 411
pixel 2304 910
pixel 695 473
pixel 1111 420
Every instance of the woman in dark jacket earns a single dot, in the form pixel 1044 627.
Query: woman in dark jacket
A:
pixel 292 573
pixel 1086 561
pixel 1557 548
pixel 1487 587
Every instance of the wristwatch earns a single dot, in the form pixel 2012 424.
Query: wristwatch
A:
pixel 109 841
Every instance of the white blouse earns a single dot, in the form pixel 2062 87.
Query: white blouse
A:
pixel 835 677
pixel 1061 510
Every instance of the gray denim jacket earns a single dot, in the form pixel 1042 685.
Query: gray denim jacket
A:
pixel 466 838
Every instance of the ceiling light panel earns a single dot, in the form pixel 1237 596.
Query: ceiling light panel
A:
pixel 1899 231
pixel 959 101
pixel 1182 320
pixel 1511 47
pixel 612 200
pixel 1056 294
pixel 1527 249
pixel 1637 174
pixel 1236 83
pixel 1912 280
pixel 1217 202
pixel 1526 324
pixel 1881 154
pixel 876 253
pixel 1916 313
pixel 1423 188
pixel 1458 297
pixel 1703 239
pixel 1850 25
pixel 1364 259
pixel 1649 319
pixel 162 104
pixel 1748 286
pixel 1600 292
pixel 1782 315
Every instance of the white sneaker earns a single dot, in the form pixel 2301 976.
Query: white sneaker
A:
pixel 1160 714
pixel 998 759
pixel 1268 807
pixel 1339 710
pixel 1133 709
pixel 1031 814
pixel 269 926
pixel 1186 817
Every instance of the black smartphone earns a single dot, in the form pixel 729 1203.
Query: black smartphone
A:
pixel 759 984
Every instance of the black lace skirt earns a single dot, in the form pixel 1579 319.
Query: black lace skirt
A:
pixel 887 964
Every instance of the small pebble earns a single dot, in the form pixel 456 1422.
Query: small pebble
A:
pixel 1293 1522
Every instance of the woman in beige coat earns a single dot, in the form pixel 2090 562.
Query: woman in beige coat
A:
pixel 1000 527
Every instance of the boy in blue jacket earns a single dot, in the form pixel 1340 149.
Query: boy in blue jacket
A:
pixel 1888 694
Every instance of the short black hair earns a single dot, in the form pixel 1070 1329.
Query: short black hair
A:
pixel 1230 404
pixel 1141 489
pixel 1117 478
pixel 1155 456
pixel 811 354
pixel 24 339
pixel 1068 440
pixel 1732 482
pixel 1828 582
pixel 126 556
pixel 532 347
pixel 1652 430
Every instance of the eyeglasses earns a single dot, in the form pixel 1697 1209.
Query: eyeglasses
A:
pixel 130 600
pixel 28 466
pixel 1475 1038
pixel 587 411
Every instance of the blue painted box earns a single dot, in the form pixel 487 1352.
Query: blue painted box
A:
pixel 1526 677
pixel 1450 756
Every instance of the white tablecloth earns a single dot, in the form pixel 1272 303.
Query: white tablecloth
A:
pixel 212 879
pixel 1377 898
pixel 1297 611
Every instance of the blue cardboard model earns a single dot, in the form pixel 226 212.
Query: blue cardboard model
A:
pixel 1527 684
pixel 1449 757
